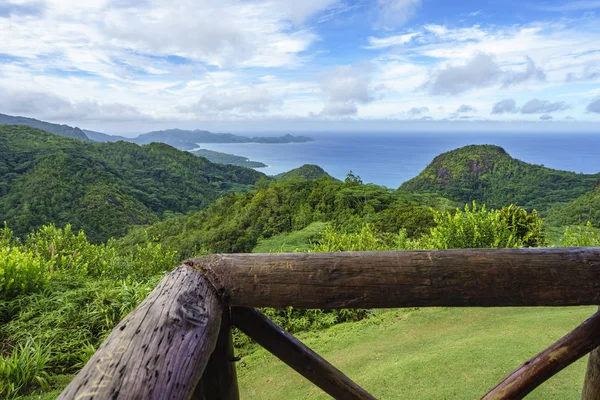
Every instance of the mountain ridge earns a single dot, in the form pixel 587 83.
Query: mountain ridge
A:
pixel 57 129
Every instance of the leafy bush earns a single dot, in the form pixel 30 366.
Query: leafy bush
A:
pixel 71 252
pixel 23 369
pixel 21 272
pixel 367 239
pixel 582 235
pixel 479 228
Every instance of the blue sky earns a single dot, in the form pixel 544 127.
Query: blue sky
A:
pixel 138 65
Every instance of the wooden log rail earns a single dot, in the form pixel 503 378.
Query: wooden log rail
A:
pixel 177 343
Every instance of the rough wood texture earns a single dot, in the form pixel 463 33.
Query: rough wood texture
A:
pixel 219 380
pixel 591 385
pixel 471 277
pixel 295 354
pixel 534 372
pixel 160 349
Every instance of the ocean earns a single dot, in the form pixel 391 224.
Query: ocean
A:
pixel 391 159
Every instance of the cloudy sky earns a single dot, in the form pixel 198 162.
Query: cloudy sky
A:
pixel 137 65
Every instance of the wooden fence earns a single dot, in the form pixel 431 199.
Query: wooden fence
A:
pixel 177 343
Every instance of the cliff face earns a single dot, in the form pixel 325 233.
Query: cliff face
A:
pixel 488 174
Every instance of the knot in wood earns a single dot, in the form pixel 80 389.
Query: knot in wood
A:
pixel 191 309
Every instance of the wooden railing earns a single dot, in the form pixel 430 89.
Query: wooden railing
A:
pixel 177 343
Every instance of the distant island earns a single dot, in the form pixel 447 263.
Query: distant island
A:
pixel 188 140
pixel 178 138
pixel 231 159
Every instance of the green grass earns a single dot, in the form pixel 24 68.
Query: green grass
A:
pixel 435 353
pixel 301 240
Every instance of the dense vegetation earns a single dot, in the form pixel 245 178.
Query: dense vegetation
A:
pixel 103 188
pixel 489 175
pixel 577 211
pixel 225 158
pixel 237 222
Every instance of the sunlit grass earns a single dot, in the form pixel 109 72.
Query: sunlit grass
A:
pixel 436 353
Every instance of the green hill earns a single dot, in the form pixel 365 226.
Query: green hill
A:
pixel 488 174
pixel 305 172
pixel 60 130
pixel 103 188
pixel 578 211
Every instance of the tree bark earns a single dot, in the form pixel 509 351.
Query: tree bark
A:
pixel 159 350
pixel 536 371
pixel 295 354
pixel 591 385
pixel 463 278
pixel 220 379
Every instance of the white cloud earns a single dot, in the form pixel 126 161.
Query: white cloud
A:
pixel 52 107
pixel 465 108
pixel 532 72
pixel 243 100
pixel 395 13
pixel 396 40
pixel 345 87
pixel 481 70
pixel 505 106
pixel 594 106
pixel 536 106
pixel 418 110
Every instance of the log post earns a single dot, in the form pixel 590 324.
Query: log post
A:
pixel 298 356
pixel 591 385
pixel 160 349
pixel 536 371
pixel 219 380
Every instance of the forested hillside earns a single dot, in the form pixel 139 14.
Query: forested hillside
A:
pixel 237 222
pixel 103 188
pixel 489 175
pixel 578 211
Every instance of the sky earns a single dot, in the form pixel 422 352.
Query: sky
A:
pixel 121 66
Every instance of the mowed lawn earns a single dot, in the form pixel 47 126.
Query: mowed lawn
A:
pixel 429 353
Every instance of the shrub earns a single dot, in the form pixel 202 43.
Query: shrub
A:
pixel 582 235
pixel 479 228
pixel 21 272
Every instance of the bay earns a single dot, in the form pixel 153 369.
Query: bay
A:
pixel 390 159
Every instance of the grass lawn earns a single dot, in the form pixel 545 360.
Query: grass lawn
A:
pixel 433 353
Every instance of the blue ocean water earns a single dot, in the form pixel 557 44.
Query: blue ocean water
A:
pixel 390 159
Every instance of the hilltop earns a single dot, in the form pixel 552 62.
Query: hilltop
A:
pixel 60 130
pixel 488 174
pixel 306 172
pixel 104 188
